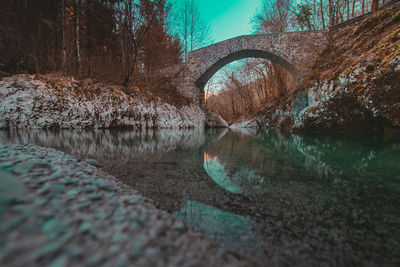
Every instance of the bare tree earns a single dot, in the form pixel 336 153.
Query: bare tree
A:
pixel 77 36
pixel 374 6
pixel 190 27
pixel 273 17
pixel 135 18
pixel 64 45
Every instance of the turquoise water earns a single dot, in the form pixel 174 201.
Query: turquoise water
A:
pixel 273 198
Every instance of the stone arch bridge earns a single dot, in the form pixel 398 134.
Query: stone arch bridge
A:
pixel 295 51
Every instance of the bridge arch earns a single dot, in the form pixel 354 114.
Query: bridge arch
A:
pixel 247 53
pixel 294 51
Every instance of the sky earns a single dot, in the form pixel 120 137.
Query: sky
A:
pixel 228 18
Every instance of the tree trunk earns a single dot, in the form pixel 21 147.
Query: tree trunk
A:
pixel 121 37
pixel 192 27
pixel 185 29
pixel 374 6
pixel 339 14
pixel 363 6
pixel 77 36
pixel 322 14
pixel 330 8
pixel 64 46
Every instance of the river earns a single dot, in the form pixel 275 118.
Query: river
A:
pixel 270 197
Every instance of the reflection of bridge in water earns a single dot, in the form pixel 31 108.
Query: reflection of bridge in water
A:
pixel 240 182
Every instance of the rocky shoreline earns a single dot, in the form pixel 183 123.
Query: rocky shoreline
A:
pixel 64 103
pixel 62 211
pixel 354 83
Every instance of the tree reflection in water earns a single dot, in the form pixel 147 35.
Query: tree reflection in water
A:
pixel 275 198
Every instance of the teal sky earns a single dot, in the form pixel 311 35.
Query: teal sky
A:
pixel 228 18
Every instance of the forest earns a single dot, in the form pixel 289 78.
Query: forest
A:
pixel 133 42
pixel 118 41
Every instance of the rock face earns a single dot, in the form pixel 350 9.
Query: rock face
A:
pixel 26 102
pixel 355 82
pixel 361 84
pixel 252 123
pixel 347 104
pixel 215 121
pixel 340 111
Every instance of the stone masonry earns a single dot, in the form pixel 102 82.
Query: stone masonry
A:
pixel 295 51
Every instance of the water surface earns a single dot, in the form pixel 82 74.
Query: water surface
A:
pixel 271 197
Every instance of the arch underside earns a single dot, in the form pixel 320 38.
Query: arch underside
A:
pixel 202 81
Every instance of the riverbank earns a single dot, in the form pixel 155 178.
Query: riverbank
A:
pixel 354 83
pixel 61 211
pixel 58 102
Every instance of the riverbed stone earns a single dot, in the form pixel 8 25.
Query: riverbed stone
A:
pixel 61 261
pixel 58 223
pixel 10 188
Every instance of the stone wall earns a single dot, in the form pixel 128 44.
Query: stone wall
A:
pixel 295 51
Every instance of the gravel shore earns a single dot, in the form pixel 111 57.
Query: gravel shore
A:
pixel 56 210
